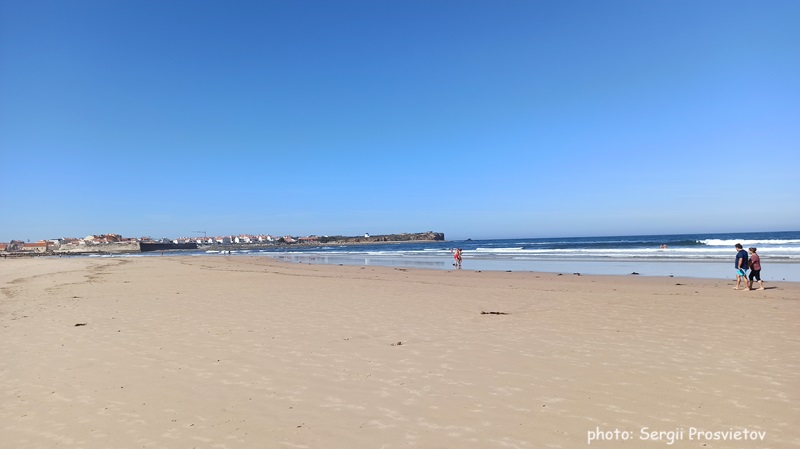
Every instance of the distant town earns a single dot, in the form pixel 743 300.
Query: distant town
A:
pixel 115 243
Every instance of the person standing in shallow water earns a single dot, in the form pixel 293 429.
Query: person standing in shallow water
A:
pixel 755 269
pixel 741 267
pixel 457 258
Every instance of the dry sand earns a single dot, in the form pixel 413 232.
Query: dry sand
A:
pixel 241 352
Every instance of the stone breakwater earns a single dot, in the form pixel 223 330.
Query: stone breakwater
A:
pixel 106 248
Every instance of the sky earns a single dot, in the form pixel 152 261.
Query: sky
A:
pixel 479 119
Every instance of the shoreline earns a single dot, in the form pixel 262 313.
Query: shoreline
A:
pixel 776 271
pixel 711 270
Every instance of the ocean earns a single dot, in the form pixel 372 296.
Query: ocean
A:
pixel 685 255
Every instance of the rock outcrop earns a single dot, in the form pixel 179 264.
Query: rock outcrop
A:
pixel 388 238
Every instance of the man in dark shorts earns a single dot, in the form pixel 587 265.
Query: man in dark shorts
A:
pixel 741 267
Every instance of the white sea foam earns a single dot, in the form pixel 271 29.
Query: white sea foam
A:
pixel 719 242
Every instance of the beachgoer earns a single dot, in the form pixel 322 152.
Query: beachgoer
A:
pixel 755 269
pixel 457 258
pixel 741 267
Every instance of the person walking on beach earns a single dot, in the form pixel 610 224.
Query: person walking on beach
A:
pixel 755 269
pixel 741 267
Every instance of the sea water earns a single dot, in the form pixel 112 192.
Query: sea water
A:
pixel 683 255
pixel 692 255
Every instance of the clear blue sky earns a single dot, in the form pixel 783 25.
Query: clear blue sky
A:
pixel 479 119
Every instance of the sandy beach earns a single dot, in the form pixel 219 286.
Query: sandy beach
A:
pixel 249 352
